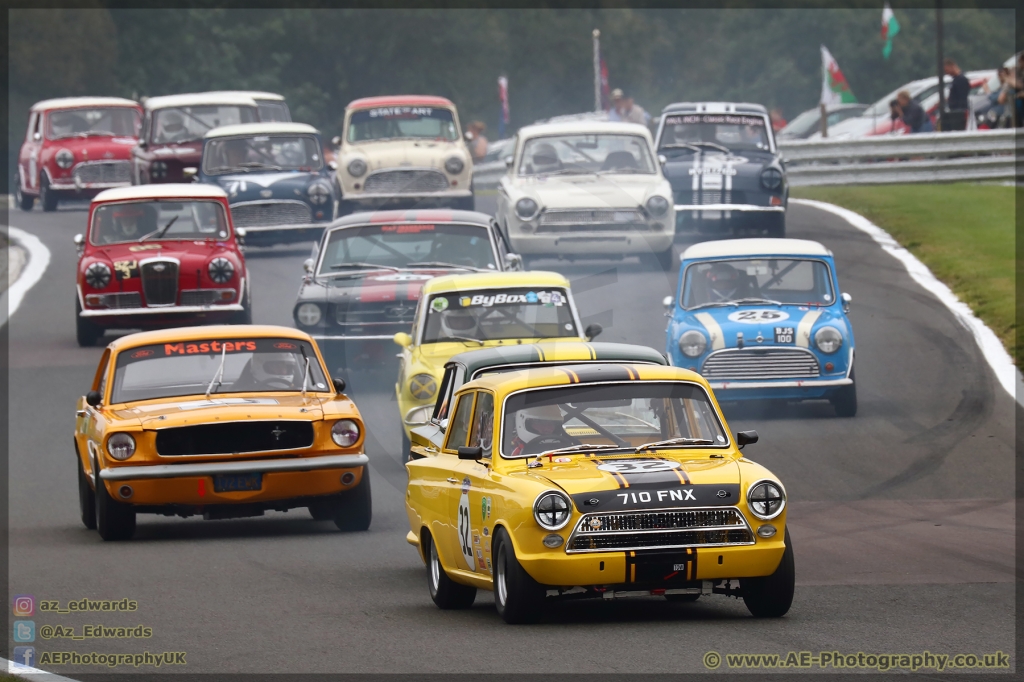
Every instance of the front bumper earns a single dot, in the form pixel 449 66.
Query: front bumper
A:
pixel 380 196
pixel 795 389
pixel 164 310
pixel 252 466
pixel 729 207
pixel 87 187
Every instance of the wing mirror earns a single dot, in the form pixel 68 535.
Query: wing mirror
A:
pixel 847 301
pixel 339 384
pixel 332 164
pixel 745 438
pixel 336 141
pixel 471 453
pixel 662 159
pixel 93 398
pixel 668 302
pixel 514 261
pixel 189 174
pixel 240 233
pixel 37 136
pixel 592 331
pixel 402 339
pixel 307 265
pixel 79 240
pixel 508 161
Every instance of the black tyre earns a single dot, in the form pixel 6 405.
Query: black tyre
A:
pixel 844 402
pixel 517 596
pixel 47 197
pixel 682 598
pixel 772 595
pixel 324 510
pixel 114 520
pixel 445 592
pixel 355 507
pixel 86 496
pixel 24 201
pixel 87 332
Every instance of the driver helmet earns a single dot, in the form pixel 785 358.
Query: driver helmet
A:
pixel 545 156
pixel 543 421
pixel 275 366
pixel 458 323
pixel 127 218
pixel 173 124
pixel 723 280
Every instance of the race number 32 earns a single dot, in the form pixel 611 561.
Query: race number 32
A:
pixel 465 531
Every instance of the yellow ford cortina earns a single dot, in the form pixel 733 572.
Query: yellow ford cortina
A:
pixel 220 421
pixel 607 480
pixel 461 312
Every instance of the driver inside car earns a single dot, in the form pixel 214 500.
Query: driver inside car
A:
pixel 726 283
pixel 539 429
pixel 456 323
pixel 271 371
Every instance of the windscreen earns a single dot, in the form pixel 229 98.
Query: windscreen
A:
pixel 141 221
pixel 102 121
pixel 262 152
pixel 187 124
pixel 625 415
pixel 408 245
pixel 782 280
pixel 276 112
pixel 387 123
pixel 499 314
pixel 191 367
pixel 576 154
pixel 732 131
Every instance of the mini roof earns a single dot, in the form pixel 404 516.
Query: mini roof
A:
pixel 426 215
pixel 199 99
pixel 715 108
pixel 495 280
pixel 170 190
pixel 75 102
pixel 755 247
pixel 400 101
pixel 262 129
pixel 577 127
pixel 255 94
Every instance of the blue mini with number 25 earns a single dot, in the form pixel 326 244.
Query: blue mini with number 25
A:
pixel 764 318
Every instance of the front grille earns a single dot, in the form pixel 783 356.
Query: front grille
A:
pixel 234 438
pixel 406 182
pixel 705 197
pixel 593 220
pixel 270 213
pixel 761 363
pixel 204 296
pixel 103 172
pixel 659 529
pixel 128 299
pixel 391 312
pixel 160 282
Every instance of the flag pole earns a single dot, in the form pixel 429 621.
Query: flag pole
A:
pixel 597 70
pixel 938 42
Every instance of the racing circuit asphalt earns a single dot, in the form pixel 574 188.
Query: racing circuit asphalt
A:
pixel 901 518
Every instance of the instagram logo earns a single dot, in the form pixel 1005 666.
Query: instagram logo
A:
pixel 24 605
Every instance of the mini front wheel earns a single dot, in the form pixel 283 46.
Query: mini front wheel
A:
pixel 517 596
pixel 772 595
pixel 114 520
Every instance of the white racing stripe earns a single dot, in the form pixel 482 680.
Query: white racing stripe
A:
pixel 998 359
pixel 803 330
pixel 714 330
pixel 38 260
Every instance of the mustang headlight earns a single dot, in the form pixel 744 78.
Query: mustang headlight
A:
pixel 308 314
pixel 221 270
pixel 97 275
pixel 692 343
pixel 319 192
pixel 527 208
pixel 64 158
pixel 345 433
pixel 771 178
pixel 356 168
pixel 828 339
pixel 766 499
pixel 422 386
pixel 657 206
pixel 454 165
pixel 121 446
pixel 552 510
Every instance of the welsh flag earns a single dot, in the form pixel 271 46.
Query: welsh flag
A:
pixel 890 27
pixel 834 88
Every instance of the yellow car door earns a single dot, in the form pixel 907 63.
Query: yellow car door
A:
pixel 472 508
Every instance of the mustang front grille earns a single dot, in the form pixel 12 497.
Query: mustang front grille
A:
pixel 160 282
pixel 105 172
pixel 620 531
pixel 232 438
pixel 761 363
pixel 405 182
pixel 392 312
pixel 270 213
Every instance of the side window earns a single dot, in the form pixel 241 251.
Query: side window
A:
pixel 145 127
pixel 99 382
pixel 482 434
pixel 33 123
pixel 499 238
pixel 458 429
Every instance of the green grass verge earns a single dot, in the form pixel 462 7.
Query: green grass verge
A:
pixel 963 232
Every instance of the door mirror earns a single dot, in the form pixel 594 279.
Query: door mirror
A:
pixel 745 438
pixel 332 164
pixel 508 162
pixel 79 240
pixel 403 339
pixel 662 159
pixel 668 301
pixel 514 261
pixel 37 136
pixel 307 265
pixel 471 453
pixel 240 235
pixel 336 141
pixel 189 173
pixel 339 384
pixel 93 398
pixel 847 301
pixel 592 331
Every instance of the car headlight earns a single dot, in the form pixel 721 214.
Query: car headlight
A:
pixel 356 168
pixel 454 165
pixel 97 275
pixel 552 510
pixel 158 169
pixel 526 208
pixel 766 499
pixel 221 270
pixel 771 178
pixel 64 158
pixel 308 314
pixel 422 386
pixel 345 433
pixel 657 205
pixel 319 192
pixel 692 343
pixel 828 339
pixel 121 446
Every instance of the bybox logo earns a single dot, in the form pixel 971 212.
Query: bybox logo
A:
pixel 24 631
pixel 24 605
pixel 25 655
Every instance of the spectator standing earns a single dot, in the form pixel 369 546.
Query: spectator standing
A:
pixel 778 120
pixel 477 141
pixel 616 101
pixel 1018 85
pixel 957 102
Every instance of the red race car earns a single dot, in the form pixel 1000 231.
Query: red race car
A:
pixel 159 256
pixel 76 147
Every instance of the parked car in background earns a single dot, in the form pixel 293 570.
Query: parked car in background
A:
pixel 587 189
pixel 74 148
pixel 726 172
pixel 272 107
pixel 159 256
pixel 173 129
pixel 403 151
pixel 366 275
pixel 275 177
pixel 809 122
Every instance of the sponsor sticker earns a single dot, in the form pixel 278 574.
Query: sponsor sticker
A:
pixel 439 304
pixel 407 229
pixel 758 316
pixel 638 466
pixel 546 298
pixel 485 508
pixel 728 119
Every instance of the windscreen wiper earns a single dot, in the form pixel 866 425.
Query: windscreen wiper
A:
pixel 364 266
pixel 441 264
pixel 674 441
pixel 460 338
pixel 744 301
pixel 218 377
pixel 710 304
pixel 682 145
pixel 160 232
pixel 583 447
pixel 714 145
